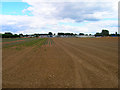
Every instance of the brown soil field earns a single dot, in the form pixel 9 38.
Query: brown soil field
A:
pixel 67 63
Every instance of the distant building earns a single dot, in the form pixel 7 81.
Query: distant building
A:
pixel 84 36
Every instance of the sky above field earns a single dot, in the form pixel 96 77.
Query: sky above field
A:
pixel 75 16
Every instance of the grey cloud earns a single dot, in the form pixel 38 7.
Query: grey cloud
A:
pixel 80 11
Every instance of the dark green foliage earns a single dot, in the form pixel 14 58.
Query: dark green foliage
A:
pixel 81 33
pixel 60 33
pixel 65 34
pixel 37 35
pixel 105 33
pixel 98 34
pixel 21 35
pixel 10 35
pixel 50 33
pixel 75 34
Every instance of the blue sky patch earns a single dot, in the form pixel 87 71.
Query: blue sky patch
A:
pixel 15 8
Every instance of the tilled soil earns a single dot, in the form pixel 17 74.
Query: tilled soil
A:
pixel 66 63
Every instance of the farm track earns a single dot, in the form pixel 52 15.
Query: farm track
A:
pixel 62 63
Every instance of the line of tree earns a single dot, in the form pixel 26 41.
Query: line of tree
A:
pixel 49 34
pixel 106 33
pixel 66 34
pixel 10 35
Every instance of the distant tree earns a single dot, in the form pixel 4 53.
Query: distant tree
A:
pixel 116 34
pixel 105 32
pixel 112 35
pixel 26 35
pixel 90 34
pixel 75 34
pixel 68 34
pixel 21 35
pixel 60 33
pixel 81 33
pixel 98 34
pixel 36 35
pixel 50 33
pixel 8 33
pixel 15 36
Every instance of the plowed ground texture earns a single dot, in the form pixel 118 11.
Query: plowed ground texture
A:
pixel 61 63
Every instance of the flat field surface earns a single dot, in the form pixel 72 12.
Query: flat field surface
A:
pixel 60 63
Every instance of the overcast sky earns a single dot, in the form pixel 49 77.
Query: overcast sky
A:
pixel 75 16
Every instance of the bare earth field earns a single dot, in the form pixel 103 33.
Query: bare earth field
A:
pixel 62 63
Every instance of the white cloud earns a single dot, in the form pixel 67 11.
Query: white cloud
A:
pixel 79 11
pixel 69 0
pixel 47 16
pixel 28 24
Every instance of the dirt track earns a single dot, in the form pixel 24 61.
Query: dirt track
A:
pixel 68 63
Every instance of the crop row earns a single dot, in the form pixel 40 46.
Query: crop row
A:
pixel 48 42
pixel 25 43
